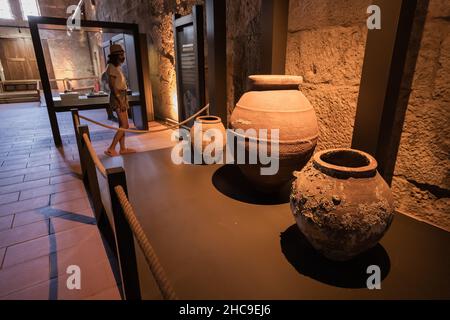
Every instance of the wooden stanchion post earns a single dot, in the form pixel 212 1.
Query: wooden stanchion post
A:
pixel 124 238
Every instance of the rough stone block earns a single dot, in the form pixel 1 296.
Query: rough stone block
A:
pixel 317 14
pixel 330 55
pixel 335 109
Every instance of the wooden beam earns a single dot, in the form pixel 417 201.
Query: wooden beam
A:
pixel 146 77
pixel 126 252
pixel 274 14
pixel 143 125
pixel 387 74
pixel 217 58
pixel 182 24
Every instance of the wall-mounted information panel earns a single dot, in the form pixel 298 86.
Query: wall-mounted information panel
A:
pixel 189 62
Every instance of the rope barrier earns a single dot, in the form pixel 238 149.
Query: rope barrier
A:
pixel 94 156
pixel 149 253
pixel 145 131
pixel 77 122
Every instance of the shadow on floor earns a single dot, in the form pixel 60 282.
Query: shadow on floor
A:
pixel 49 213
pixel 350 274
pixel 229 181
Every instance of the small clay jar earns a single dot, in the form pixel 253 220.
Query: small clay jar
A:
pixel 341 204
pixel 200 131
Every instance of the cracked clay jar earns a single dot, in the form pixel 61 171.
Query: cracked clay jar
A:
pixel 341 203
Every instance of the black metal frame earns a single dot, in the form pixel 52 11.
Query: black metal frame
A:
pixel 196 20
pixel 127 28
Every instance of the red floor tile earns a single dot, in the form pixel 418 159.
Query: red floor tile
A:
pixel 64 178
pixel 70 221
pixel 84 235
pixel 24 186
pixel 11 180
pixel 18 172
pixel 24 233
pixel 46 174
pixel 74 206
pixel 14 167
pixel 26 205
pixel 51 189
pixel 9 197
pixel 96 284
pixel 6 222
pixel 2 255
pixel 28 217
pixel 68 196
pixel 24 275
pixel 91 259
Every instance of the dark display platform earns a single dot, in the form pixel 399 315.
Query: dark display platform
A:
pixel 217 239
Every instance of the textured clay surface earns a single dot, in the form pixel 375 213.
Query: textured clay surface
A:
pixel 286 110
pixel 341 217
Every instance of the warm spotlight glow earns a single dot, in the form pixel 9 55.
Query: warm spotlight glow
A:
pixel 29 8
pixel 5 10
pixel 174 106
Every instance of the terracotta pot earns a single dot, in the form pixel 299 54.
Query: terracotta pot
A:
pixel 275 102
pixel 341 204
pixel 201 125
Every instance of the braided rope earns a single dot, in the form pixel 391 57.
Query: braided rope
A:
pixel 94 156
pixel 77 121
pixel 145 131
pixel 149 253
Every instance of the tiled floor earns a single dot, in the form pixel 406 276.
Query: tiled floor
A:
pixel 46 221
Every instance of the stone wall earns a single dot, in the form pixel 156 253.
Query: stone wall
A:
pixel 84 52
pixel 55 8
pixel 325 44
pixel 421 181
pixel 243 46
pixel 70 57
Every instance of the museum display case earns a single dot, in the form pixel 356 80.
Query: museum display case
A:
pixel 72 62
